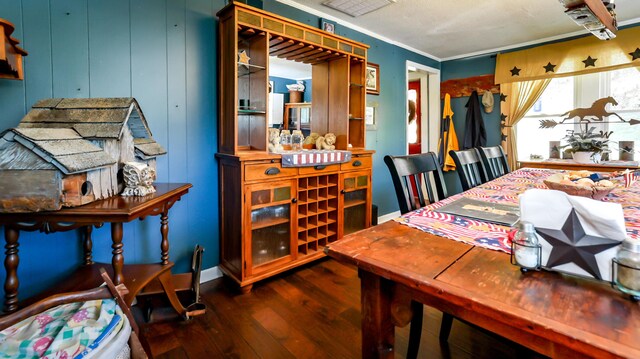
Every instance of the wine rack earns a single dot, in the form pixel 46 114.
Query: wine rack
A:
pixel 317 212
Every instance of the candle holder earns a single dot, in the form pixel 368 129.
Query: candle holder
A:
pixel 626 278
pixel 527 257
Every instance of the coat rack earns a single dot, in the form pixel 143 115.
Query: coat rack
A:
pixel 10 53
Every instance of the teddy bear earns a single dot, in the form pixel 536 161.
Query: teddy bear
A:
pixel 311 139
pixel 274 140
pixel 326 142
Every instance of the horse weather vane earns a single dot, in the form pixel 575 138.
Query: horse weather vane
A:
pixel 595 113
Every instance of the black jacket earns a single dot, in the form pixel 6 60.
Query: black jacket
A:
pixel 474 132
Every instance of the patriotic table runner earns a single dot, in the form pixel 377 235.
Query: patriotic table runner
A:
pixel 506 190
pixel 314 157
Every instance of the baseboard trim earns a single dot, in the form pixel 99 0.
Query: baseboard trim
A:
pixel 210 274
pixel 388 217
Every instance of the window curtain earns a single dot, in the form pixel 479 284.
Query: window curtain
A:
pixel 516 100
pixel 570 58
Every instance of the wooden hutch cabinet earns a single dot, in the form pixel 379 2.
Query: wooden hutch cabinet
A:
pixel 274 218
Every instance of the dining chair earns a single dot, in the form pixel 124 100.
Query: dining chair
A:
pixel 495 161
pixel 469 167
pixel 414 177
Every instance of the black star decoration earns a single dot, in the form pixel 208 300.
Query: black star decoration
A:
pixel 503 97
pixel 572 245
pixel 503 117
pixel 549 68
pixel 635 55
pixel 589 61
pixel 503 137
pixel 515 71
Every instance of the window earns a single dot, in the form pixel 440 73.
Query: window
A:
pixel 567 93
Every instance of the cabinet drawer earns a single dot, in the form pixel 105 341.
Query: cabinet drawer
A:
pixel 318 169
pixel 261 171
pixel 356 163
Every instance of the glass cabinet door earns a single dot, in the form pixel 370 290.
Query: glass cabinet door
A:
pixel 271 218
pixel 356 201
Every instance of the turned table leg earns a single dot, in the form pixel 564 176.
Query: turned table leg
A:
pixel 117 259
pixel 11 261
pixel 164 244
pixel 378 335
pixel 88 245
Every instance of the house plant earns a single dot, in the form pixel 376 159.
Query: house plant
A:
pixel 587 146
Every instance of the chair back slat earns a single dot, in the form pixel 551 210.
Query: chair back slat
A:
pixel 413 177
pixel 469 167
pixel 495 160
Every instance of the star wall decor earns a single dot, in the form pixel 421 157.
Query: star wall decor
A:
pixel 635 55
pixel 570 244
pixel 503 97
pixel 503 137
pixel 515 71
pixel 503 117
pixel 589 61
pixel 549 68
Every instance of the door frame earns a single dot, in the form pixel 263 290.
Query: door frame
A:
pixel 430 121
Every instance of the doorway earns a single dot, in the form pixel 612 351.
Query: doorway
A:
pixel 423 108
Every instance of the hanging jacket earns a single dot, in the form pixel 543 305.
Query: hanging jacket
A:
pixel 448 139
pixel 474 132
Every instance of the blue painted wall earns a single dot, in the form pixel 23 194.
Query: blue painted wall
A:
pixel 460 69
pixel 280 86
pixel 164 54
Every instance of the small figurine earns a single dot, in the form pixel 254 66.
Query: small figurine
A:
pixel 138 178
pixel 326 142
pixel 274 140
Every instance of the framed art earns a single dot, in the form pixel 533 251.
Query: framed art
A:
pixel 328 25
pixel 370 118
pixel 372 80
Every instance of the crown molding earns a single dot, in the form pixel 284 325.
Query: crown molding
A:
pixel 319 13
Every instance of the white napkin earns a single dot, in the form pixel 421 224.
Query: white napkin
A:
pixel 550 209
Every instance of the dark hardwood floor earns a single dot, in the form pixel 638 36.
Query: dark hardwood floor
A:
pixel 311 312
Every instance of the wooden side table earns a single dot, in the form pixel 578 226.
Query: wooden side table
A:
pixel 115 210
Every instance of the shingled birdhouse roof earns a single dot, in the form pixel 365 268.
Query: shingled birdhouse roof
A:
pixel 61 148
pixel 96 118
pixel 66 134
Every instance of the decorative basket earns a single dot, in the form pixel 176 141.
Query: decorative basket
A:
pixel 595 192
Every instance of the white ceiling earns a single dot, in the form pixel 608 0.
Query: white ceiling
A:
pixel 459 28
pixel 289 69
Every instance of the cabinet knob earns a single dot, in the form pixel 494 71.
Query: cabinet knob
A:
pixel 343 191
pixel 272 171
pixel 294 200
pixel 357 163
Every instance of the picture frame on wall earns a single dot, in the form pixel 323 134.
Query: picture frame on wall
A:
pixel 372 79
pixel 370 118
pixel 328 25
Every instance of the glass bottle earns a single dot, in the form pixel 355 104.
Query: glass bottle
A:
pixel 526 248
pixel 296 140
pixel 628 259
pixel 285 140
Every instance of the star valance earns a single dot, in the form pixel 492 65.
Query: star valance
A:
pixel 568 58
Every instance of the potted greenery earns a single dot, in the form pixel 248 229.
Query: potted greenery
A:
pixel 587 146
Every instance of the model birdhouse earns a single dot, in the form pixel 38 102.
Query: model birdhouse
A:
pixel 69 152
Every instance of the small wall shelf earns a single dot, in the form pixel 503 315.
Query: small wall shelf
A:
pixel 10 53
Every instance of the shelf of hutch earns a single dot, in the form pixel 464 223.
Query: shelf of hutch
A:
pixel 275 218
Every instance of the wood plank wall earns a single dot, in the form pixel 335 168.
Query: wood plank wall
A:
pixel 163 53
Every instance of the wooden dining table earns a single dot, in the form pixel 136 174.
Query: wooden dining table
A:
pixel 554 314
